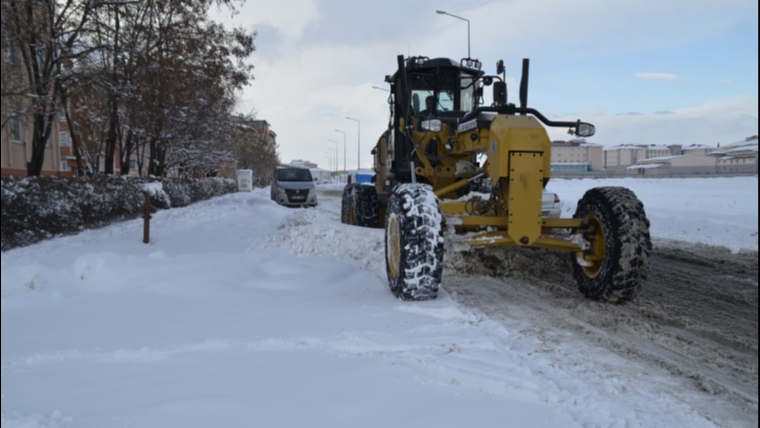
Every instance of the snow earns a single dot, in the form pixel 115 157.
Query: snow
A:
pixel 748 148
pixel 719 211
pixel 645 166
pixel 244 313
pixel 153 188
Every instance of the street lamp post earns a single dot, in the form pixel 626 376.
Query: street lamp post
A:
pixel 336 155
pixel 332 155
pixel 440 12
pixel 329 157
pixel 344 150
pixel 358 144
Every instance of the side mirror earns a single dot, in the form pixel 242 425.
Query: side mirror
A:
pixel 500 67
pixel 499 93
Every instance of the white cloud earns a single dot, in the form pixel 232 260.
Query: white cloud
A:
pixel 289 17
pixel 720 120
pixel 665 77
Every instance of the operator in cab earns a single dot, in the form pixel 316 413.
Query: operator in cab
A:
pixel 429 108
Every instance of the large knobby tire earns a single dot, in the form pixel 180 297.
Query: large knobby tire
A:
pixel 348 201
pixel 366 206
pixel 620 245
pixel 413 242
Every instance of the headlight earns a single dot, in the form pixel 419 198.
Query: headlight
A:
pixel 585 130
pixel 433 125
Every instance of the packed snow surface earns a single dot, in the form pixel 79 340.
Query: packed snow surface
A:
pixel 242 313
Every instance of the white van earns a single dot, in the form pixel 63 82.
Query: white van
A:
pixel 293 187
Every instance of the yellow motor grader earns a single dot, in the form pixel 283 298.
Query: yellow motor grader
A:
pixel 446 158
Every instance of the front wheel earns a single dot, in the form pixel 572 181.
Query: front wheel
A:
pixel 615 266
pixel 414 242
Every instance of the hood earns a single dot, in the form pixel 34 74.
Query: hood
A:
pixel 296 184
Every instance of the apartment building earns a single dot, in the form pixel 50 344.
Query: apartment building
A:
pixel 16 146
pixel 16 117
pixel 618 158
pixel 698 150
pixel 576 156
pixel 674 165
pixel 738 157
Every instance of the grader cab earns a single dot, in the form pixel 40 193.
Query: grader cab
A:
pixel 443 147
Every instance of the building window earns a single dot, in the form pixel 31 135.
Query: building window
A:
pixel 64 165
pixel 63 138
pixel 8 50
pixel 133 164
pixel 15 125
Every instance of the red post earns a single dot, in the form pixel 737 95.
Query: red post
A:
pixel 147 209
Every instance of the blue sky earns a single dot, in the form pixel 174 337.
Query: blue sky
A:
pixel 650 72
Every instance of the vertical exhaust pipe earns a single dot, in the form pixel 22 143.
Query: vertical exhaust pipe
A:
pixel 524 83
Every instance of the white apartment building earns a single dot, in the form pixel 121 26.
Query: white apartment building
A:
pixel 738 157
pixel 576 156
pixel 658 160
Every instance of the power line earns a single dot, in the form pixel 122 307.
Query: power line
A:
pixel 470 8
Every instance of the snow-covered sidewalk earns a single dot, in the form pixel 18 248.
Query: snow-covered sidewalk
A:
pixel 221 321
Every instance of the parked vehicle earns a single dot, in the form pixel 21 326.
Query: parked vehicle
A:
pixel 293 187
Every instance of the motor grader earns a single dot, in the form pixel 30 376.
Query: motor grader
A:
pixel 449 162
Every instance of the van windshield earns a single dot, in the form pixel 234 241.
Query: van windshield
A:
pixel 293 174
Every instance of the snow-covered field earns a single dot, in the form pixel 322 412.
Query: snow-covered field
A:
pixel 233 316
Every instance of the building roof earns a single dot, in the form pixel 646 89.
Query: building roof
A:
pixel 749 148
pixel 646 166
pixel 578 142
pixel 625 147
pixel 657 147
pixel 698 147
pixel 745 142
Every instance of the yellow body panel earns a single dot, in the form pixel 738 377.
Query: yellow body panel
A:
pixel 524 199
pixel 519 164
pixel 516 134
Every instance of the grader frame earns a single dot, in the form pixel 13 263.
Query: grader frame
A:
pixel 436 156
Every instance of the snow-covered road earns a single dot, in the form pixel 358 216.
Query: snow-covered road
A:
pixel 242 313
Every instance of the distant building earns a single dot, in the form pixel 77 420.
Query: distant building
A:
pixel 698 150
pixel 738 157
pixel 18 123
pixel 674 165
pixel 619 158
pixel 576 156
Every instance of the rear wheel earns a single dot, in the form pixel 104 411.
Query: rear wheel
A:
pixel 413 242
pixel 366 206
pixel 616 265
pixel 347 204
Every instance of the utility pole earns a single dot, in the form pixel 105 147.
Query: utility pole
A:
pixel 344 150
